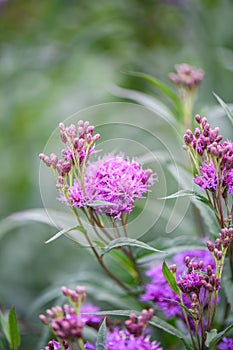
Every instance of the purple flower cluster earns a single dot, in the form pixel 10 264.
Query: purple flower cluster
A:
pixel 226 344
pixel 208 178
pixel 158 290
pixel 215 172
pixel 113 180
pixel 133 337
pixel 186 76
pixel 123 340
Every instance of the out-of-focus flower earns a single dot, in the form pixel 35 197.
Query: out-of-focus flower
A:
pixel 187 76
pixel 226 344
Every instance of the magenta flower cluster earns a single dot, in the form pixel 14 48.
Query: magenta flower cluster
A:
pixel 189 280
pixel 215 172
pixel 115 180
pixel 112 181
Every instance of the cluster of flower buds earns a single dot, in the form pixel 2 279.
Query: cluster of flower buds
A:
pixel 187 76
pixel 222 243
pixel 76 296
pixel 79 144
pixel 204 138
pixel 64 322
pixel 55 345
pixel 67 322
pixel 137 325
pixel 196 277
pixel 213 162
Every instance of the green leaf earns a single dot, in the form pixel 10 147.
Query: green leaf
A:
pixel 162 87
pixel 227 284
pixel 53 218
pixel 168 275
pixel 181 193
pixel 168 328
pixel 101 337
pixel 101 203
pixel 125 241
pixel 149 102
pixel 13 330
pixel 225 107
pixel 62 232
pixel 220 335
pixel 210 336
pixel 4 327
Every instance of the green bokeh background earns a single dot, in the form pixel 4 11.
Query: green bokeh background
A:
pixel 59 56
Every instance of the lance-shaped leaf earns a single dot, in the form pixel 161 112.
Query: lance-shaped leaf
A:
pixel 181 305
pixel 101 337
pixel 226 108
pixel 214 340
pixel 4 327
pixel 65 231
pixel 99 203
pixel 125 241
pixel 13 330
pixel 171 280
pixel 162 87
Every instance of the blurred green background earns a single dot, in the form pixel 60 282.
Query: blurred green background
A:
pixel 59 56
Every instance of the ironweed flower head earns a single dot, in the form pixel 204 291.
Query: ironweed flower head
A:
pixel 118 181
pixel 226 344
pixel 114 180
pixel 187 76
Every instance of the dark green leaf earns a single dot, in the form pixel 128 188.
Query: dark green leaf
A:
pixel 13 330
pixel 220 335
pixel 101 337
pixel 225 107
pixel 62 232
pixel 4 327
pixel 168 328
pixel 168 275
pixel 125 241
